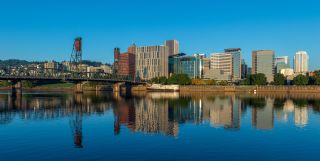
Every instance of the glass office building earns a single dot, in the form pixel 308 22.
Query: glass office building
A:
pixel 190 65
pixel 263 62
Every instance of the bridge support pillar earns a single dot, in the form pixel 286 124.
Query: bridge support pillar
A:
pixel 16 88
pixel 122 88
pixel 128 88
pixel 116 87
pixel 79 87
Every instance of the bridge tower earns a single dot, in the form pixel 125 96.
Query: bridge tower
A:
pixel 76 55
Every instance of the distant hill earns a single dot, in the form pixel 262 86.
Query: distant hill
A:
pixel 12 62
pixel 17 62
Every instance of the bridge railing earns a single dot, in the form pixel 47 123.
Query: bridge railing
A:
pixel 70 76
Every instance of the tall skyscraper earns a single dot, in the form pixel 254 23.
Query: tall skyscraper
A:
pixel 263 62
pixel 236 62
pixel 173 47
pixel 229 62
pixel 151 61
pixel 301 62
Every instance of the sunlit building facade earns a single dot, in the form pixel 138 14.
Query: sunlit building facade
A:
pixel 151 61
pixel 229 62
pixel 301 62
pixel 263 62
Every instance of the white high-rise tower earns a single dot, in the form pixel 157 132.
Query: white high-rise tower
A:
pixel 301 62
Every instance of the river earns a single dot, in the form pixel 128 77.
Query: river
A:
pixel 52 126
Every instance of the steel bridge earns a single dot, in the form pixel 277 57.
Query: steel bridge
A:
pixel 118 81
pixel 111 79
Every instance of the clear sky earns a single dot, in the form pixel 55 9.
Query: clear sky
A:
pixel 45 29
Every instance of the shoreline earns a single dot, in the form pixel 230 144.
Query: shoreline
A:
pixel 196 89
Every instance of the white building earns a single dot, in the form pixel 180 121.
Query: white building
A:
pixel 229 62
pixel 287 72
pixel 301 62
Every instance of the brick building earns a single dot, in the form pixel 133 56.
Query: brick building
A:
pixel 124 63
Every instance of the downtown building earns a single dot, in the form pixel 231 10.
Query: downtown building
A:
pixel 244 69
pixel 173 47
pixel 301 62
pixel 153 61
pixel 263 62
pixel 281 62
pixel 124 63
pixel 281 59
pixel 225 66
pixel 190 65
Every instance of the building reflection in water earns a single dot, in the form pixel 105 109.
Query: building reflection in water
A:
pixel 301 116
pixel 223 111
pixel 263 116
pixel 148 114
pixel 155 113
pixel 54 106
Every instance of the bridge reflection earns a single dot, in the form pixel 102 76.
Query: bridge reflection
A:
pixel 159 113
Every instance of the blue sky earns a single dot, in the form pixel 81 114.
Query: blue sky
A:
pixel 44 30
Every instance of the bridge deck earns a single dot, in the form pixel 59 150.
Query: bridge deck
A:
pixel 110 80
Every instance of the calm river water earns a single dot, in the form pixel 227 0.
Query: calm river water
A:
pixel 59 126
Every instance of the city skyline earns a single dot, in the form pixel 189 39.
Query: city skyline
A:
pixel 28 35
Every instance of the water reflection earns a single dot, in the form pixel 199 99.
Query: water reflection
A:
pixel 160 113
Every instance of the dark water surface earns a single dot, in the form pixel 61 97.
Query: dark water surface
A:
pixel 42 126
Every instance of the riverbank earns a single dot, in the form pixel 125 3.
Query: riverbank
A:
pixel 63 87
pixel 185 89
pixel 251 89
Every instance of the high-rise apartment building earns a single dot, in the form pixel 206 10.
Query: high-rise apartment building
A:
pixel 173 47
pixel 229 62
pixel 301 62
pixel 263 62
pixel 151 61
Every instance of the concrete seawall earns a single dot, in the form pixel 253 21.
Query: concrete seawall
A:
pixel 282 89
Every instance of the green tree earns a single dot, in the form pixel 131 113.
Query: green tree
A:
pixel 245 82
pixel 223 83
pixel 279 79
pixel 5 84
pixel 301 80
pixel 184 79
pixel 258 79
pixel 317 81
pixel 314 80
pixel 27 84
pixel 180 79
pixel 163 80
pixel 154 80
